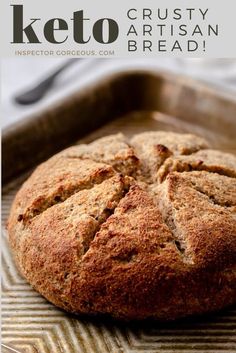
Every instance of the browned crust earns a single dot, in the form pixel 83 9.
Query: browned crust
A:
pixel 95 231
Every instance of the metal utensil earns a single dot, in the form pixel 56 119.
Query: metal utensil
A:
pixel 35 93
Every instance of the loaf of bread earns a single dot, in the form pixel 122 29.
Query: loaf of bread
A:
pixel 139 228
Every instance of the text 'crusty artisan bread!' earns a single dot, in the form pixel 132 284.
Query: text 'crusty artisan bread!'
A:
pixel 131 228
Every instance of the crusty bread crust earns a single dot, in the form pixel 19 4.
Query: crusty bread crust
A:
pixel 135 229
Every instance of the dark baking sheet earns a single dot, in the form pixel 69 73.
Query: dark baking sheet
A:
pixel 33 139
pixel 128 102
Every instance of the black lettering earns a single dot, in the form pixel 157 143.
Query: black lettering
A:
pixel 129 14
pixel 160 16
pixel 161 26
pixel 177 13
pixel 147 13
pixel 19 30
pixel 214 30
pixel 113 30
pixel 203 13
pixel 49 30
pixel 147 29
pixel 197 30
pixel 78 19
pixel 132 45
pixel 132 30
pixel 182 30
pixel 161 45
pixel 192 45
pixel 190 12
pixel 147 44
pixel 176 46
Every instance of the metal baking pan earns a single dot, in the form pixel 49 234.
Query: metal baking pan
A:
pixel 31 140
pixel 129 102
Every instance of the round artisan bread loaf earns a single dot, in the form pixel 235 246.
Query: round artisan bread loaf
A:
pixel 138 228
